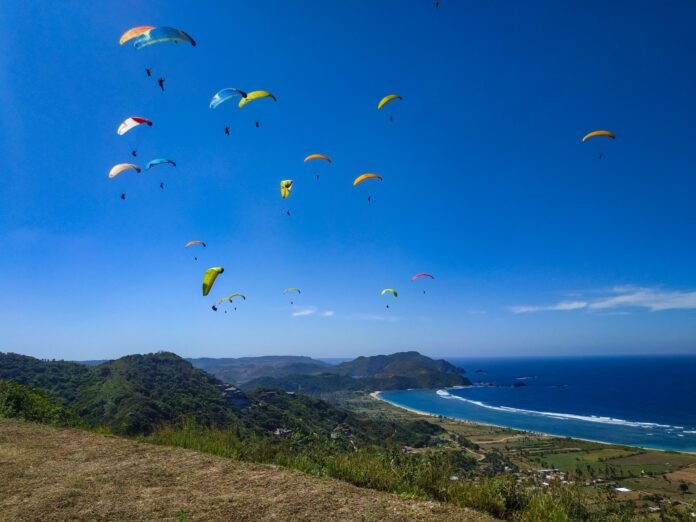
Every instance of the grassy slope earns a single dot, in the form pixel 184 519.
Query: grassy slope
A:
pixel 57 474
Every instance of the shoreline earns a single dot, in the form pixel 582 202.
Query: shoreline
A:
pixel 377 396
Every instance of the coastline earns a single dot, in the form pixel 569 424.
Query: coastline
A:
pixel 377 396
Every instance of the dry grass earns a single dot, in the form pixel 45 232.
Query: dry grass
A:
pixel 686 474
pixel 62 474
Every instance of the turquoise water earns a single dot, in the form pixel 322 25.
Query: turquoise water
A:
pixel 639 401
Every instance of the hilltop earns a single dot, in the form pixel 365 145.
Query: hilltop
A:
pixel 243 369
pixel 131 395
pixel 65 474
pixel 381 372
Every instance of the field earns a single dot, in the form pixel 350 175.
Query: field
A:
pixel 64 474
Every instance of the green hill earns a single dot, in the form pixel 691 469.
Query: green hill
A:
pixel 245 369
pixel 382 372
pixel 131 395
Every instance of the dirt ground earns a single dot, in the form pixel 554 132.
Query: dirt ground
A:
pixel 61 474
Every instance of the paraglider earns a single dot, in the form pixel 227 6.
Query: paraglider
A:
pixel 362 178
pixel 148 72
pixel 134 32
pixel 389 291
pixel 132 123
pixel 227 131
pixel 317 157
pixel 285 187
pixel 155 35
pixel 255 95
pixel 258 124
pixel 223 95
pixel 162 185
pixel 160 82
pixel 209 278
pixel 159 161
pixel 196 242
pixel 123 196
pixel 388 98
pixel 292 289
pixel 230 299
pixel 594 134
pixel 419 276
pixel 117 169
pixel 134 153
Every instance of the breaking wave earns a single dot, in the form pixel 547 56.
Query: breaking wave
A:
pixel 444 394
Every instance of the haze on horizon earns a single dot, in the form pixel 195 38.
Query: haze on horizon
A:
pixel 538 247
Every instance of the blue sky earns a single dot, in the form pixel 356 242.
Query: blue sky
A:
pixel 537 246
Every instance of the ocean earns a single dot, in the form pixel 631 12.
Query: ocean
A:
pixel 647 401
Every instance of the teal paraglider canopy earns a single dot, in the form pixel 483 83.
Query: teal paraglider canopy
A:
pixel 226 94
pixel 161 35
pixel 159 161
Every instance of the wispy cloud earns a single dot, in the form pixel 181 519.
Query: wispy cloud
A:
pixel 558 307
pixel 653 299
pixel 304 312
pixel 312 310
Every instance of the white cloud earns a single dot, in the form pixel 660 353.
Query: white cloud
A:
pixel 559 307
pixel 312 310
pixel 304 312
pixel 652 299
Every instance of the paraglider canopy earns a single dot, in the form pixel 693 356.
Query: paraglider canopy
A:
pixel 418 276
pixel 161 35
pixel 230 298
pixel 292 289
pixel 196 242
pixel 285 187
pixel 316 157
pixel 134 32
pixel 363 177
pixel 209 278
pixel 388 98
pixel 255 95
pixel 159 161
pixel 389 291
pixel 117 169
pixel 594 134
pixel 226 94
pixel 132 123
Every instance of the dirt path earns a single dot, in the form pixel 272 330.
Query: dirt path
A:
pixel 60 474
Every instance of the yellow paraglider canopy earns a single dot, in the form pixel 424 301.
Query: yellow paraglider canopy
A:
pixel 209 278
pixel 255 95
pixel 316 157
pixel 363 177
pixel 285 187
pixel 387 99
pixel 596 133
